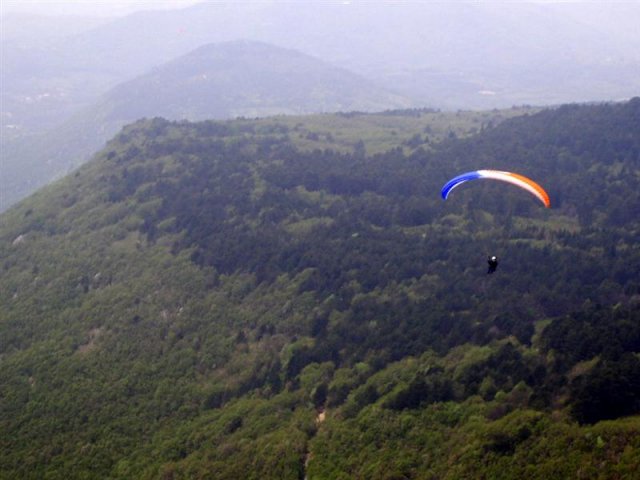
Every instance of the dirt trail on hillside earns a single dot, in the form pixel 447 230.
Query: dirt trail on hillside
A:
pixel 322 414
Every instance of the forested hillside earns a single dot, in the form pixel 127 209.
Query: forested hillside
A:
pixel 215 81
pixel 270 299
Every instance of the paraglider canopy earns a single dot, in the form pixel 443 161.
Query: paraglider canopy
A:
pixel 509 177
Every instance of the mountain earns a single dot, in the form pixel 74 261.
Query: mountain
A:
pixel 290 297
pixel 456 55
pixel 244 79
pixel 215 81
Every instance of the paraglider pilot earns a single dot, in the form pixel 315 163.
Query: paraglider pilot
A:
pixel 493 264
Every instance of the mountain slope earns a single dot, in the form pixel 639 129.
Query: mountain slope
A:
pixel 187 304
pixel 215 81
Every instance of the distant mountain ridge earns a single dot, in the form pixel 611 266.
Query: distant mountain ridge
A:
pixel 250 79
pixel 215 81
pixel 455 55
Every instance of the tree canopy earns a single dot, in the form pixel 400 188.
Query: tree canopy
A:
pixel 191 299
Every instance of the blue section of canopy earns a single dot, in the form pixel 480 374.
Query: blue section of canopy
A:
pixel 454 182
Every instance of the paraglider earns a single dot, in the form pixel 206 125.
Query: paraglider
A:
pixel 493 264
pixel 509 177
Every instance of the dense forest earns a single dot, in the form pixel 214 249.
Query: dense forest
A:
pixel 273 299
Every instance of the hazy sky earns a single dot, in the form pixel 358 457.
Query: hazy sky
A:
pixel 123 7
pixel 89 7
